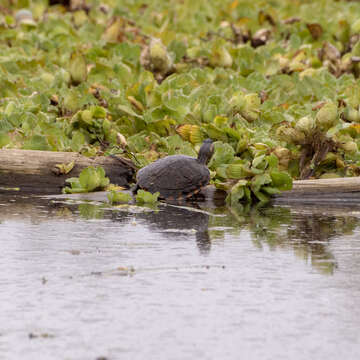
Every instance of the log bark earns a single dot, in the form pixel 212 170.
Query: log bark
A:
pixel 35 172
pixel 322 191
pixel 350 184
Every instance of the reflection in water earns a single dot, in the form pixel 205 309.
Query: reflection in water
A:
pixel 170 220
pixel 313 233
pixel 178 221
pixel 308 231
pixel 104 277
pixel 203 241
pixel 308 234
pixel 90 211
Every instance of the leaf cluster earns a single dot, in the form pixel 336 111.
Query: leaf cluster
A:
pixel 90 179
pixel 274 84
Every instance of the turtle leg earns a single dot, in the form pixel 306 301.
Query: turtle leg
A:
pixel 195 195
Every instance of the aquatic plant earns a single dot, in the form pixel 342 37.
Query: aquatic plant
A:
pixel 274 84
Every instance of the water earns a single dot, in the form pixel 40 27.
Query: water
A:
pixel 84 281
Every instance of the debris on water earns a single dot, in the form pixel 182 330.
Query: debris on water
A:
pixel 182 231
pixel 9 188
pixel 130 270
pixel 74 252
pixel 134 209
pixel 42 335
pixel 96 273
pixel 189 208
pixel 124 271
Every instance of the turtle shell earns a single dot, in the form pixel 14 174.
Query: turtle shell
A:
pixel 175 177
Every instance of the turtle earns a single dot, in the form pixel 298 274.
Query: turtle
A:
pixel 177 177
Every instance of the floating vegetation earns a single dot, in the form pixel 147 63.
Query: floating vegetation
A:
pixel 145 197
pixel 273 84
pixel 118 197
pixel 90 179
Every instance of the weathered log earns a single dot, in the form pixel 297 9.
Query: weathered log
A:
pixel 349 184
pixel 35 172
pixel 337 191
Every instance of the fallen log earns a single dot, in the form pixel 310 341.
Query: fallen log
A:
pixel 336 190
pixel 323 187
pixel 349 184
pixel 35 172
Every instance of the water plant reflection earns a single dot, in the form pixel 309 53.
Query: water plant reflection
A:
pixel 307 231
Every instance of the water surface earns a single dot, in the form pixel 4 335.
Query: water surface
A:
pixel 87 281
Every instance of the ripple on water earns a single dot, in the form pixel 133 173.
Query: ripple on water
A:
pixel 83 282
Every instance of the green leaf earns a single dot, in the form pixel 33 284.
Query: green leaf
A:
pixel 260 162
pixel 259 180
pixel 75 186
pixel 175 100
pixel 273 161
pixel 242 183
pixel 157 114
pixel 98 112
pixel 90 179
pixel 73 181
pixel 10 108
pixel 232 133
pixel 223 154
pixel 146 197
pixel 221 171
pixel 270 190
pixel 36 142
pixel 127 110
pixel 65 168
pixel 235 196
pixel 247 194
pixel 75 190
pixel 178 48
pixel 281 180
pixel 78 141
pixel 261 196
pixel 87 117
pixel 4 139
pixel 118 197
pixel 5 125
pixel 215 133
pixel 237 193
pixel 77 68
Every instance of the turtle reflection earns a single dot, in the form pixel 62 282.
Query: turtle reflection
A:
pixel 177 221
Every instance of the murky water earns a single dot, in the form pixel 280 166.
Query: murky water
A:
pixel 84 281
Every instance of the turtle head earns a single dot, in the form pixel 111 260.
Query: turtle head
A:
pixel 205 152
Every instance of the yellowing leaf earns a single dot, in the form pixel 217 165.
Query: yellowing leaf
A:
pixel 65 168
pixel 77 68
